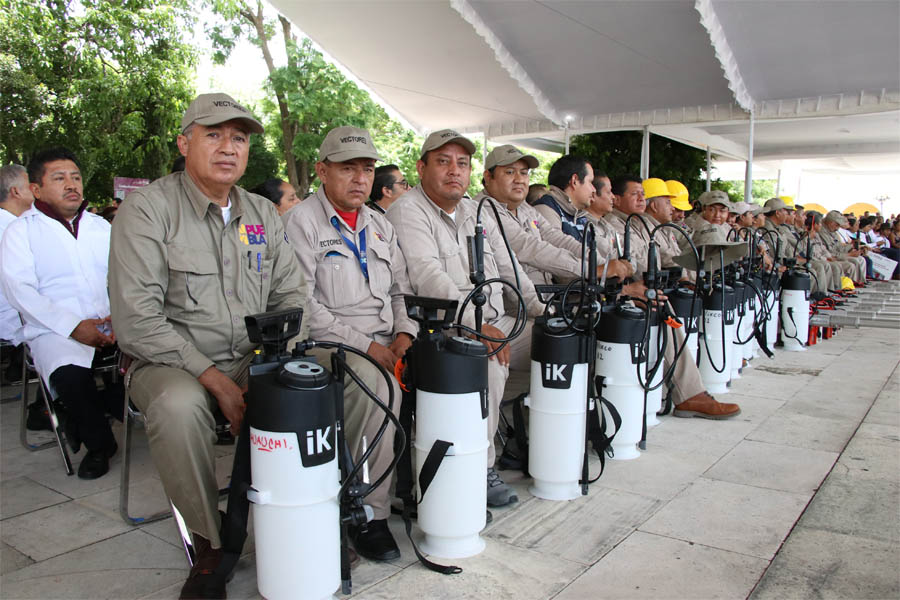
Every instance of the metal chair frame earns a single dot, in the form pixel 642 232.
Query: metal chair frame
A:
pixel 59 438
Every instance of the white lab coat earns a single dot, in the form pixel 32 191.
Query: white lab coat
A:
pixel 10 324
pixel 55 281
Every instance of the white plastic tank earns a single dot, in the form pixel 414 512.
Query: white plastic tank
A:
pixel 557 409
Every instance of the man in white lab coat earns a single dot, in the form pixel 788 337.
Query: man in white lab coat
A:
pixel 15 198
pixel 53 263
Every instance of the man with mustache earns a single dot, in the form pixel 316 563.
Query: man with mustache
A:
pixel 432 221
pixel 192 254
pixel 53 272
pixel 349 254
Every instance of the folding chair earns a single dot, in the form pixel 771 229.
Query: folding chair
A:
pixel 27 370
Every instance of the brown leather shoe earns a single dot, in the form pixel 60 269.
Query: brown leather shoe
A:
pixel 705 406
pixel 203 582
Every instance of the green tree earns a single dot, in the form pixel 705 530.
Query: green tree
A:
pixel 307 97
pixel 619 153
pixel 762 189
pixel 108 79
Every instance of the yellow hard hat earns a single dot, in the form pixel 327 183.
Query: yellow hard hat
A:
pixel 655 187
pixel 680 197
pixel 847 284
pixel 789 200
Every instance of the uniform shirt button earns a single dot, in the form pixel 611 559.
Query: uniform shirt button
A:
pixel 337 267
pixel 229 293
pixel 227 261
pixel 265 275
pixel 236 319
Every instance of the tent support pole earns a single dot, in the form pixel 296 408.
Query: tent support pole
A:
pixel 708 169
pixel 778 184
pixel 567 136
pixel 645 153
pixel 748 176
pixel 484 151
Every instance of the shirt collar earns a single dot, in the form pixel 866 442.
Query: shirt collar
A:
pixel 461 210
pixel 51 212
pixel 202 204
pixel 362 219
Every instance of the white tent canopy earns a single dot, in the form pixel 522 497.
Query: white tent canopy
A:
pixel 822 78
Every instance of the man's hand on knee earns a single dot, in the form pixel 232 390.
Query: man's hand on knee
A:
pixel 227 393
pixel 383 355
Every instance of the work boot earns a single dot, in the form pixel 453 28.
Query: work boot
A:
pixel 203 581
pixel 705 406
pixel 498 493
pixel 374 541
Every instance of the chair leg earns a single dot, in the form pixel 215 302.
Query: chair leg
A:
pixel 23 429
pixel 54 421
pixel 125 478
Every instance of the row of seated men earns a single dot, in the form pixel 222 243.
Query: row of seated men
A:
pixel 191 254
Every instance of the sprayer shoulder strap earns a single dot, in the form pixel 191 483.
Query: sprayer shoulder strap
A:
pixel 596 431
pixel 405 478
pixel 234 524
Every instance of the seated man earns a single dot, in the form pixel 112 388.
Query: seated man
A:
pixel 545 251
pixel 832 222
pixel 688 394
pixel 192 254
pixel 15 199
pixel 432 222
pixel 349 255
pixel 569 195
pixel 53 271
pixel 389 185
pixel 778 219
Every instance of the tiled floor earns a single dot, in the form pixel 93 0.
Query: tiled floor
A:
pixel 798 497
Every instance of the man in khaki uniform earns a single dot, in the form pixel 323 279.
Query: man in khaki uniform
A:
pixel 432 221
pixel 831 222
pixel 569 195
pixel 659 211
pixel 191 255
pixel 506 173
pixel 688 394
pixel 778 218
pixel 349 255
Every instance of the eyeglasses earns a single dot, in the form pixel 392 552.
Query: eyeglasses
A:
pixel 402 183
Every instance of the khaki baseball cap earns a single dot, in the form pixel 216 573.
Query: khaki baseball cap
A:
pixel 212 109
pixel 346 143
pixel 714 197
pixel 838 218
pixel 445 136
pixel 773 204
pixel 507 154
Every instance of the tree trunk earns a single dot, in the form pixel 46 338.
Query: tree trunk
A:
pixel 287 133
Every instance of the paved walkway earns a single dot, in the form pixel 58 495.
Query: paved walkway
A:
pixel 798 497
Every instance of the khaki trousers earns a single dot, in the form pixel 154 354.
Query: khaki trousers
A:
pixel 520 360
pixel 686 381
pixel 181 430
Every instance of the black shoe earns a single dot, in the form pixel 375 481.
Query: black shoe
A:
pixel 374 541
pixel 489 516
pixel 38 418
pixel 94 465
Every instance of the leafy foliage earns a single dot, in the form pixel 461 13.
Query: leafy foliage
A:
pixel 618 153
pixel 108 79
pixel 762 189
